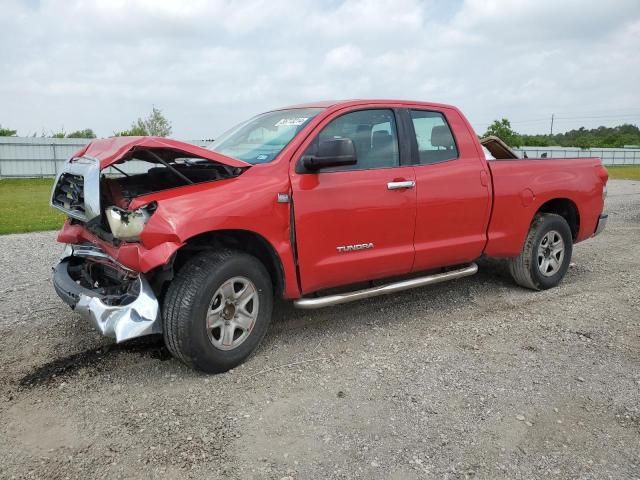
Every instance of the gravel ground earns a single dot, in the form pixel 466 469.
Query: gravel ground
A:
pixel 475 378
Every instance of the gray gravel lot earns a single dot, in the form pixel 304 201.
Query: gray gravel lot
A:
pixel 475 378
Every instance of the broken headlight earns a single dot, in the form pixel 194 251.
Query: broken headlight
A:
pixel 128 224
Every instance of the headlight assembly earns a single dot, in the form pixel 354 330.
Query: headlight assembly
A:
pixel 127 225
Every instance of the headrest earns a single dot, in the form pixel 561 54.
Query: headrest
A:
pixel 363 131
pixel 381 139
pixel 441 137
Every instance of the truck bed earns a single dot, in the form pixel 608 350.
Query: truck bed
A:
pixel 521 186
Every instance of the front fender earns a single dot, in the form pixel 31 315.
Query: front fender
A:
pixel 247 203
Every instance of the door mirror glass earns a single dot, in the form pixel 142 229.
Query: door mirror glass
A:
pixel 333 152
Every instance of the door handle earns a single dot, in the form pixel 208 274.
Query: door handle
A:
pixel 401 185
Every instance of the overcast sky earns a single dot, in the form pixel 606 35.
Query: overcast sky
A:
pixel 210 64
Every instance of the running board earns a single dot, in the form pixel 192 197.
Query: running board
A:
pixel 330 300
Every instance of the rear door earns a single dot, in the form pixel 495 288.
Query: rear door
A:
pixel 356 223
pixel 453 189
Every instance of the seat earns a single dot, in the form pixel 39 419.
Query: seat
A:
pixel 381 139
pixel 442 139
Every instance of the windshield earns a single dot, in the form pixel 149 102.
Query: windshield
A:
pixel 262 138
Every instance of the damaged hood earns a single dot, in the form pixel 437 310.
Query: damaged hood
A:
pixel 110 150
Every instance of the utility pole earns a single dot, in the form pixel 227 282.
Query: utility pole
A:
pixel 551 131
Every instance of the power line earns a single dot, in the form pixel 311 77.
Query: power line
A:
pixel 577 117
pixel 615 111
pixel 601 116
pixel 586 117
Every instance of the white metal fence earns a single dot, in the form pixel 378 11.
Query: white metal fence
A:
pixel 35 157
pixel 43 157
pixel 609 156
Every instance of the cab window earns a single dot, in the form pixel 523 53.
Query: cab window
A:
pixel 434 137
pixel 374 136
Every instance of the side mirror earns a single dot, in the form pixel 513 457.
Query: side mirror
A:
pixel 335 152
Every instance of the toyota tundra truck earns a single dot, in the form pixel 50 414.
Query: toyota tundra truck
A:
pixel 322 204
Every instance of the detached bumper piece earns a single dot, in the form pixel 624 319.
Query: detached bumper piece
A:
pixel 118 302
pixel 602 222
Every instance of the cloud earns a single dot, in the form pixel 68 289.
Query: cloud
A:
pixel 209 64
pixel 343 57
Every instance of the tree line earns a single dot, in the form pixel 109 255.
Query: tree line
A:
pixel 154 124
pixel 157 124
pixel 601 137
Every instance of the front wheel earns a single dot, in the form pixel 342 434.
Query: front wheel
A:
pixel 217 310
pixel 546 254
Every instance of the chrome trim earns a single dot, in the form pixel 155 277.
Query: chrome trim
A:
pixel 283 198
pixel 354 248
pixel 92 251
pixel 330 300
pixel 66 252
pixel 137 319
pixel 89 169
pixel 123 322
pixel 602 223
pixel 401 185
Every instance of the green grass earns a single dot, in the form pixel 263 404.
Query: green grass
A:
pixel 24 206
pixel 625 172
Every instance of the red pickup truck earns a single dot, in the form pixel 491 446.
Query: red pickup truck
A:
pixel 313 203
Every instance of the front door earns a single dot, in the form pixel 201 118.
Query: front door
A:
pixel 356 223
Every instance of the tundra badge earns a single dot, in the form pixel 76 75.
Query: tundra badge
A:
pixel 352 248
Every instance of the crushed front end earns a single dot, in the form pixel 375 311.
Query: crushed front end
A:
pixel 120 303
pixel 120 249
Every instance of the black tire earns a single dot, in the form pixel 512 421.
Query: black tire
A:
pixel 187 302
pixel 525 268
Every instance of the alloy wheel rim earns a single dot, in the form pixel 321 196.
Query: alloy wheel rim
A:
pixel 550 253
pixel 232 313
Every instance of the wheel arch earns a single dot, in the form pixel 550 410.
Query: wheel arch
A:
pixel 243 240
pixel 566 208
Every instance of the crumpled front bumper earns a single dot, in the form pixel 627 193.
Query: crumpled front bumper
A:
pixel 136 317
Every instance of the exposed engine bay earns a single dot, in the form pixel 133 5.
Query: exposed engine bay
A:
pixel 146 171
pixel 139 172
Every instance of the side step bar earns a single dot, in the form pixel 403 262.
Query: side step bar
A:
pixel 330 300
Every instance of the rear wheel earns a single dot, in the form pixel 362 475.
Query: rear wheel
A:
pixel 217 310
pixel 546 254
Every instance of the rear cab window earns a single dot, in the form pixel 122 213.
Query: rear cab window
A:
pixel 433 137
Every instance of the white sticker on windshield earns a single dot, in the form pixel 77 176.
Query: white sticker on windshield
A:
pixel 291 122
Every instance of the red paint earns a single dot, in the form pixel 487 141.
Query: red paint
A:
pixel 458 210
pixel 349 208
pixel 574 179
pixel 453 204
